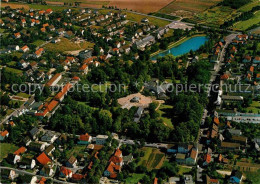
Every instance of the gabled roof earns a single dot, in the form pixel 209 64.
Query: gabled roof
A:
pixel 20 151
pixel 216 120
pixel 84 137
pixel 207 158
pixel 43 159
pixel 118 153
pixel 4 133
pixel 65 171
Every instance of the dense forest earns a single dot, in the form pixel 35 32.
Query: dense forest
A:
pixel 235 4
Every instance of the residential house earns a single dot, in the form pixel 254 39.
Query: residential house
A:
pixel 101 139
pixel 85 54
pixel 211 181
pixel 112 170
pixel 17 35
pixel 180 158
pixel 117 158
pixel 38 53
pixel 60 96
pixel 188 179
pixel 72 162
pixel 20 151
pixel 207 159
pixel 256 60
pixel 25 48
pixel 13 159
pixel 4 135
pixel 49 149
pixel 27 141
pixel 247 59
pixel 85 139
pixel 43 159
pixel 228 146
pixel 54 80
pixel 65 173
pixel 34 132
pixel 47 170
pixel 183 148
pixel 236 177
pixel 191 160
pixel 49 137
pixel 27 163
pixel 37 146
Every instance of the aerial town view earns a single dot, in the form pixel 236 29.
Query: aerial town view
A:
pixel 130 92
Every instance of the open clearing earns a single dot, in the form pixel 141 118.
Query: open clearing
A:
pixel 152 159
pixel 165 113
pixel 187 7
pixel 141 101
pixel 67 45
pixel 244 25
pixel 6 148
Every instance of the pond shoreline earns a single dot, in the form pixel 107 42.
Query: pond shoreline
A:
pixel 177 43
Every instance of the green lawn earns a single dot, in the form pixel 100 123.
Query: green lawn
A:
pixel 134 178
pixel 76 150
pixel 249 6
pixel 66 45
pixel 255 107
pixel 13 70
pixel 183 170
pixel 165 113
pixel 24 95
pixel 253 176
pixel 244 25
pixel 147 153
pixel 12 63
pixel 38 42
pixel 6 148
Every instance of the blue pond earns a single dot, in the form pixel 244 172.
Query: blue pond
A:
pixel 192 44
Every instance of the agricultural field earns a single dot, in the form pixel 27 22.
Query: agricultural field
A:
pixel 6 148
pixel 67 45
pixel 138 18
pixel 152 159
pixel 244 25
pixel 215 16
pixel 249 6
pixel 187 7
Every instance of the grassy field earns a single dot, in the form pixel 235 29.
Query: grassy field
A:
pixel 244 25
pixel 38 42
pixel 249 6
pixel 254 176
pixel 134 178
pixel 255 107
pixel 215 16
pixel 183 170
pixel 67 45
pixel 76 150
pixel 152 159
pixel 165 112
pixel 13 70
pixel 138 18
pixel 6 148
pixel 24 95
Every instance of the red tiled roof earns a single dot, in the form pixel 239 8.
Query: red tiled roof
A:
pixel 63 91
pixel 118 152
pixel 83 67
pixel 11 123
pixel 84 137
pixel 4 133
pixel 251 69
pixel 75 78
pixel 224 77
pixel 43 159
pixel 39 51
pixel 193 154
pixel 20 151
pixel 17 34
pixel 65 171
pixel 45 25
pixel 25 47
pixel 49 10
pixel 77 176
pixel 49 83
pixel 207 158
pixel 116 159
pixel 155 180
pixel 216 120
pixel 51 105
